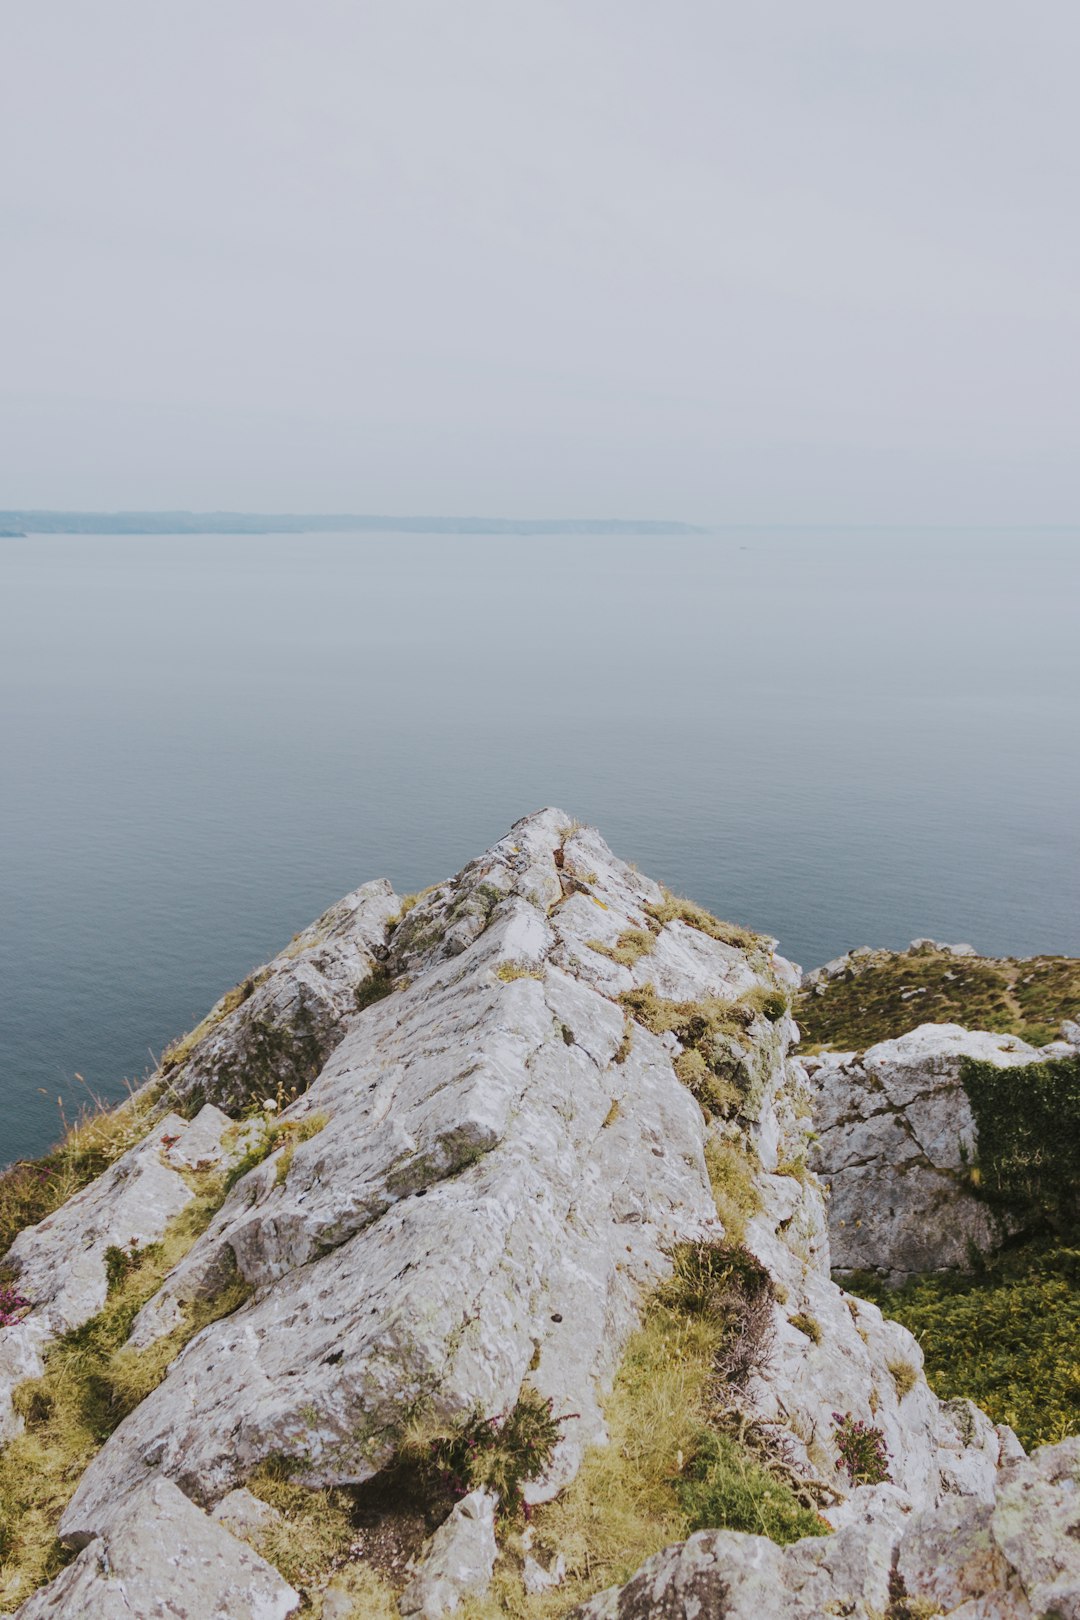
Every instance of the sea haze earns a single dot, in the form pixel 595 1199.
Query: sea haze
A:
pixel 841 738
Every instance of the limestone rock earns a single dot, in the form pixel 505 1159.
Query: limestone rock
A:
pixel 494 1167
pixel 895 1136
pixel 458 1559
pixel 246 1516
pixel 60 1263
pixel 162 1556
pixel 275 1031
pixel 494 1192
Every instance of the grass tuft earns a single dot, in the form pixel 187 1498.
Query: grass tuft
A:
pixel 631 945
pixel 674 909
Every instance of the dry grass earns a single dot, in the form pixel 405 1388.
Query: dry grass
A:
pixel 315 1530
pixel 674 909
pixel 732 1166
pixel 808 1325
pixel 631 945
pixel 90 1383
pixel 509 971
pixel 905 1376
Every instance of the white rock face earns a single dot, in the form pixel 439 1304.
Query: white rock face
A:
pixel 60 1262
pixel 492 1195
pixel 895 1137
pixel 500 1165
pixel 457 1560
pixel 1012 1560
pixel 163 1557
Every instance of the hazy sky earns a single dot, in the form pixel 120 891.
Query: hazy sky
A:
pixel 759 262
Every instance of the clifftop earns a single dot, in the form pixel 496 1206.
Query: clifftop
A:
pixel 465 1256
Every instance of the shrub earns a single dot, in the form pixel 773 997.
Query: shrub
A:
pixel 723 1486
pixel 729 1285
pixel 1028 1125
pixel 1006 1337
pixel 12 1305
pixel 863 1455
pixel 500 1453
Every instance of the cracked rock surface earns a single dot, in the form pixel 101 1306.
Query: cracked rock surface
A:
pixel 484 1174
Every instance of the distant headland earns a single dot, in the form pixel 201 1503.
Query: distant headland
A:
pixel 17 523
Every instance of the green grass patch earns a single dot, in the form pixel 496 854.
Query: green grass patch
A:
pixel 1007 1337
pixel 892 992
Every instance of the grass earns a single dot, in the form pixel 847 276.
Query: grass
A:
pixel 893 992
pixel 674 909
pixel 509 971
pixel 34 1188
pixel 1007 1338
pixel 272 1134
pixel 671 1464
pixel 731 1166
pixel 708 1029
pixel 631 945
pixel 90 1383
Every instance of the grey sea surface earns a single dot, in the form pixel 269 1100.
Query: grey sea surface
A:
pixel 838 737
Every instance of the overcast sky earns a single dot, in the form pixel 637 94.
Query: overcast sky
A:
pixel 777 261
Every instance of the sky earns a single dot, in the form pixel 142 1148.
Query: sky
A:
pixel 769 263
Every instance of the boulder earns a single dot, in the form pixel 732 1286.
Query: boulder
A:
pixel 896 1139
pixel 162 1556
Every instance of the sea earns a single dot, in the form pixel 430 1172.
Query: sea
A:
pixel 837 736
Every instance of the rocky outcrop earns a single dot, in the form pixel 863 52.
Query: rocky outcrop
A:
pixel 162 1556
pixel 897 1146
pixel 495 1148
pixel 1015 1559
pixel 270 1036
pixel 62 1262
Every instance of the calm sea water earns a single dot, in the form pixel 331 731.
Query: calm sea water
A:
pixel 840 738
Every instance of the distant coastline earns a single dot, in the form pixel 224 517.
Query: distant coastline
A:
pixel 16 524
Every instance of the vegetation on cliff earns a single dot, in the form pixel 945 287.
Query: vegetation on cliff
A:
pixel 886 993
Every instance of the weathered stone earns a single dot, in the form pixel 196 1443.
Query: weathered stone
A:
pixel 496 1165
pixel 246 1516
pixel 162 1556
pixel 896 1135
pixel 273 1033
pixel 60 1263
pixel 456 1560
